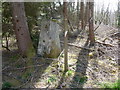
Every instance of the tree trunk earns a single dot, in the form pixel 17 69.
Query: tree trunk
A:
pixel 82 14
pixel 91 24
pixel 65 37
pixel 49 43
pixel 21 29
pixel 119 14
pixel 78 15
pixel 86 14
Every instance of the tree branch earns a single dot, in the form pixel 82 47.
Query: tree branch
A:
pixel 6 48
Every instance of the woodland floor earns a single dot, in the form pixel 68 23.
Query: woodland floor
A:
pixel 87 68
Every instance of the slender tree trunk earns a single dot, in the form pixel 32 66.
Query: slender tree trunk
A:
pixel 91 24
pixel 86 14
pixel 119 14
pixel 65 37
pixel 21 29
pixel 78 15
pixel 82 14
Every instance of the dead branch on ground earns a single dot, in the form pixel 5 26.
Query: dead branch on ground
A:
pixel 70 44
pixel 109 45
pixel 23 67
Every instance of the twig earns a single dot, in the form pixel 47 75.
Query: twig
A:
pixel 97 26
pixel 61 54
pixel 51 58
pixel 48 87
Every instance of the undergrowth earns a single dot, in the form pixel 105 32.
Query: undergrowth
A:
pixel 113 86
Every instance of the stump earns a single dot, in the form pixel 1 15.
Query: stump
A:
pixel 49 42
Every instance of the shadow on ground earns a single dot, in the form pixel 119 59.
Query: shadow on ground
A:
pixel 12 76
pixel 80 73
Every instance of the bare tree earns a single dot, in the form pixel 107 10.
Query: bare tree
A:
pixel 21 29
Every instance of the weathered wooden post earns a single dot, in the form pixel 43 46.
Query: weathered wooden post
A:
pixel 49 42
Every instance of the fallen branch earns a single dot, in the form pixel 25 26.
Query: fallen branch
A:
pixel 23 68
pixel 109 45
pixel 70 44
pixel 115 34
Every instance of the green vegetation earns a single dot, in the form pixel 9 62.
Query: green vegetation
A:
pixel 113 86
pixel 80 79
pixel 69 73
pixel 15 57
pixel 62 55
pixel 6 85
pixel 30 51
pixel 26 75
pixel 51 79
pixel 18 66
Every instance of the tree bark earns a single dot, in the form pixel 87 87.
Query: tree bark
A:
pixel 82 14
pixel 86 14
pixel 65 37
pixel 24 42
pixel 91 23
pixel 78 15
pixel 119 14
